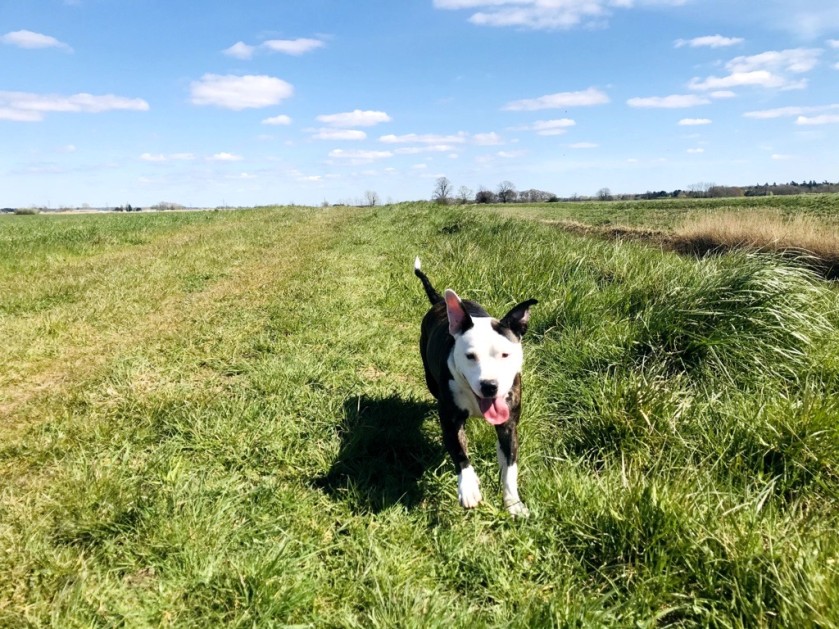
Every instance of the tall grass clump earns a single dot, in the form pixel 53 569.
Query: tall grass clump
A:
pixel 810 238
pixel 742 317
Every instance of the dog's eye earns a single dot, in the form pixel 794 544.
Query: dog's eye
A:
pixel 471 356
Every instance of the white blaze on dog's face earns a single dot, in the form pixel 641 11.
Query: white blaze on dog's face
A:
pixel 486 358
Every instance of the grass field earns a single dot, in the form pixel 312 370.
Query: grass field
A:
pixel 219 418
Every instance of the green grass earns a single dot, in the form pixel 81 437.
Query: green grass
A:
pixel 220 419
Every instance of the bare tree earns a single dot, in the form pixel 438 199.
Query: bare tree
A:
pixel 700 188
pixel 442 191
pixel 464 194
pixel 604 194
pixel 372 198
pixel 506 192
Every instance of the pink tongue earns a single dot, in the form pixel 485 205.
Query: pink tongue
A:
pixel 495 410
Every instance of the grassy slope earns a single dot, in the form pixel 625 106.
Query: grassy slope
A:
pixel 221 417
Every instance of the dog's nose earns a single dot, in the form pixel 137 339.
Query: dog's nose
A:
pixel 489 388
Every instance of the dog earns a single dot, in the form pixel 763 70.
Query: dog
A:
pixel 473 367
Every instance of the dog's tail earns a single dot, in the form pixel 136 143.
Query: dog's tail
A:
pixel 433 296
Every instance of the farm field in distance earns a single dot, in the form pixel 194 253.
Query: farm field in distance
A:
pixel 220 418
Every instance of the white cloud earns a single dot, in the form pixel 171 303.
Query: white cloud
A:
pixel 780 157
pixel 240 50
pixel 160 157
pixel 278 120
pixel 674 101
pixel 239 92
pixel 430 148
pixel 544 14
pixel 795 60
pixel 696 151
pixel 833 43
pixel 355 118
pixel 428 138
pixel 19 115
pixel 226 157
pixel 583 145
pixel 557 126
pixel 31 40
pixel 782 112
pixel 149 157
pixel 339 134
pixel 818 120
pixel 709 41
pixel 694 122
pixel 591 96
pixel 487 139
pixel 295 47
pixel 29 107
pixel 769 69
pixel 359 156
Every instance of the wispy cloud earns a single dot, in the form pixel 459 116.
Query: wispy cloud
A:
pixel 771 69
pixel 359 156
pixel 584 98
pixel 355 118
pixel 240 50
pixel 32 40
pixel 295 47
pixel 339 134
pixel 29 107
pixel 239 92
pixel 583 145
pixel 708 41
pixel 544 14
pixel 487 139
pixel 225 157
pixel 674 101
pixel 160 157
pixel 557 126
pixel 428 138
pixel 784 112
pixel 278 120
pixel 818 120
pixel 694 122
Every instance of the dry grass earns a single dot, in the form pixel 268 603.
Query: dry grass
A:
pixel 807 237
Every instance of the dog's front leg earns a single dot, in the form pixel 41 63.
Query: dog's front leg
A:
pixel 508 447
pixel 453 423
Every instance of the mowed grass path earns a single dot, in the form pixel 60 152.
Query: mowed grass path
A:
pixel 220 418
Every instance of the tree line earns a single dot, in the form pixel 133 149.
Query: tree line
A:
pixel 506 192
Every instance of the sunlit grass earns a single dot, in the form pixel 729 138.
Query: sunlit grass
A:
pixel 220 418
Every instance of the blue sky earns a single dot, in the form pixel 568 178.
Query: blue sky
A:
pixel 109 102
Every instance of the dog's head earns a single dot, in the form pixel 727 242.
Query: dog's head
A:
pixel 487 353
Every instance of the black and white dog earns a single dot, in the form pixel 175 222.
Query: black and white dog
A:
pixel 473 367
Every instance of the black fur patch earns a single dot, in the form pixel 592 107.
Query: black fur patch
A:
pixel 504 331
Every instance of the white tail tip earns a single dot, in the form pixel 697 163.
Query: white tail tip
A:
pixel 417 263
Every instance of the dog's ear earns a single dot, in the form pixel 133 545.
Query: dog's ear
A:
pixel 459 319
pixel 517 319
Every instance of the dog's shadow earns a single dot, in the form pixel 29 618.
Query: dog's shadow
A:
pixel 383 454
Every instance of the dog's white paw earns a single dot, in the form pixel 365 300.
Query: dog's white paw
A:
pixel 468 488
pixel 518 510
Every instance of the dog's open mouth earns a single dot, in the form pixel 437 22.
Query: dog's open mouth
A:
pixel 494 410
